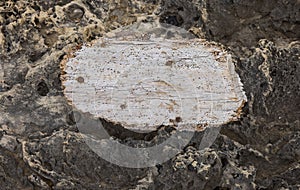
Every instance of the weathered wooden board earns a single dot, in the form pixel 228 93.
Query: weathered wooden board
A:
pixel 142 80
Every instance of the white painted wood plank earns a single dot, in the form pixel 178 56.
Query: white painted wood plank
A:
pixel 144 83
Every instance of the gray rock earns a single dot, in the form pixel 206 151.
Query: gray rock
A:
pixel 260 151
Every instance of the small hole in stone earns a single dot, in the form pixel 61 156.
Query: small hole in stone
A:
pixel 196 18
pixel 171 18
pixel 9 97
pixel 191 168
pixel 263 84
pixel 71 118
pixel 75 12
pixel 123 106
pixel 178 119
pixel 80 79
pixel 169 63
pixel 42 88
pixel 180 9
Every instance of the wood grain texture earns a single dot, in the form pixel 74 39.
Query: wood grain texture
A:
pixel 142 83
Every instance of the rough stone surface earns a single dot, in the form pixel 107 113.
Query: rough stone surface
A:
pixel 41 148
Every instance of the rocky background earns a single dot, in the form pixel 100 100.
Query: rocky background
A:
pixel 41 148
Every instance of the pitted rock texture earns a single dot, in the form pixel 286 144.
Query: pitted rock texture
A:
pixel 41 148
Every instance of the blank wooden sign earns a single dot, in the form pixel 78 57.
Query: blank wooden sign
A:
pixel 147 75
